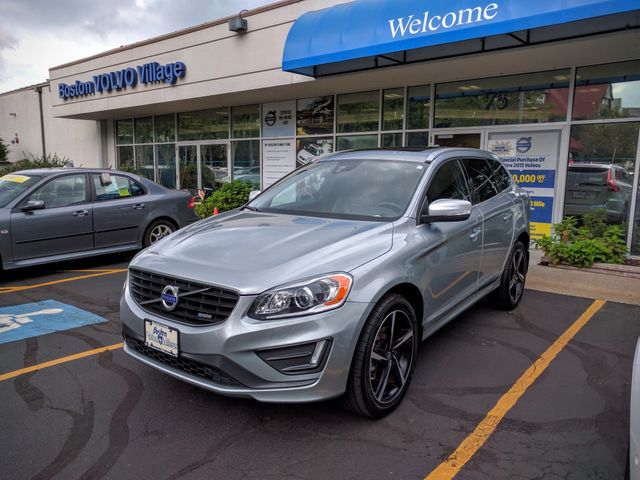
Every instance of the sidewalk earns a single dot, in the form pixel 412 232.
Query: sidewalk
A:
pixel 575 283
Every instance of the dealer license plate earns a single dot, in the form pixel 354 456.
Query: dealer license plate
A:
pixel 161 337
pixel 580 195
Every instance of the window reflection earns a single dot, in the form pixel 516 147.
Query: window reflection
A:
pixel 607 91
pixel 531 98
pixel 600 172
pixel 359 112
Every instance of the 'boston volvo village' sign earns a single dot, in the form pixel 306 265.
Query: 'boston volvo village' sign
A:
pixel 148 73
pixel 426 22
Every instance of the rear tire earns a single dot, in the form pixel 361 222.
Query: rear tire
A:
pixel 508 295
pixel 384 359
pixel 157 231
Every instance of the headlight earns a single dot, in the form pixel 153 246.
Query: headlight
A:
pixel 303 298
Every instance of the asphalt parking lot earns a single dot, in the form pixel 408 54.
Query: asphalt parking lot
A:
pixel 106 416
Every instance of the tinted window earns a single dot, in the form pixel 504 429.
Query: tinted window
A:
pixel 448 182
pixel 111 187
pixel 480 175
pixel 502 178
pixel 63 191
pixel 13 185
pixel 353 189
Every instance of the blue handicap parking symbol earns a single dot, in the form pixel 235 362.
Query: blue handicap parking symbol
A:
pixel 34 319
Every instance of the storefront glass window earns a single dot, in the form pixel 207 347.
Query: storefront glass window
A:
pixel 125 159
pixel 635 239
pixel 392 139
pixel 188 155
pixel 357 142
pixel 166 157
pixel 359 112
pixel 418 104
pixel 607 91
pixel 143 130
pixel 245 121
pixel 393 109
pixel 124 132
pixel 246 161
pixel 144 161
pixel 417 139
pixel 165 128
pixel 600 172
pixel 315 116
pixel 531 98
pixel 204 125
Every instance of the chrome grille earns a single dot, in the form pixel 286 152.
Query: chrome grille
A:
pixel 198 304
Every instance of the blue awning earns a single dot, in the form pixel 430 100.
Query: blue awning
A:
pixel 375 33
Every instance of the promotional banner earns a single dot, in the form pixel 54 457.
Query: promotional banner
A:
pixel 311 148
pixel 278 119
pixel 532 159
pixel 278 160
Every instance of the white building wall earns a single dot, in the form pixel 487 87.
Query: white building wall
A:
pixel 78 140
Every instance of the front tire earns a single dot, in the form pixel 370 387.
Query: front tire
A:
pixel 157 231
pixel 508 295
pixel 384 358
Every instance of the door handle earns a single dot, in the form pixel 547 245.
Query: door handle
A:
pixel 81 213
pixel 138 206
pixel 507 218
pixel 475 233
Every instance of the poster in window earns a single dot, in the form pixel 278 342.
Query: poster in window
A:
pixel 315 115
pixel 312 148
pixel 278 160
pixel 278 119
pixel 532 160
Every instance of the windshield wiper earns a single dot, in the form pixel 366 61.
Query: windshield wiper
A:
pixel 253 209
pixel 590 184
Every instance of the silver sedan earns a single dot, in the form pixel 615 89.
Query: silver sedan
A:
pixel 49 215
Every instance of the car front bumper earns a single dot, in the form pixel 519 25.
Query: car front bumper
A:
pixel 223 358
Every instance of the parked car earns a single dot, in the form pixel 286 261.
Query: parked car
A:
pixel 633 461
pixel 593 187
pixel 326 283
pixel 50 215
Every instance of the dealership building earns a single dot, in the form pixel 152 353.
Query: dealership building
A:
pixel 553 88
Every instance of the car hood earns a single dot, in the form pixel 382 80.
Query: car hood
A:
pixel 253 252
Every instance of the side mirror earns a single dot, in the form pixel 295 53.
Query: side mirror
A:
pixel 447 210
pixel 253 194
pixel 33 205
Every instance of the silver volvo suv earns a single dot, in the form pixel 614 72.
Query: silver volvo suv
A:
pixel 325 284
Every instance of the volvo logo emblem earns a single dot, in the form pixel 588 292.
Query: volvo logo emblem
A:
pixel 523 145
pixel 169 298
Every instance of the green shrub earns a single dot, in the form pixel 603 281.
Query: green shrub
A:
pixel 51 160
pixel 582 246
pixel 227 197
pixel 4 151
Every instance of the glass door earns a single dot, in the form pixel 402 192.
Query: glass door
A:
pixel 214 164
pixel 202 165
pixel 188 167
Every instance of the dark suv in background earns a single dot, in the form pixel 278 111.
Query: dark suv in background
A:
pixel 592 187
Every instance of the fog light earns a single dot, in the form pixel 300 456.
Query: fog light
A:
pixel 297 359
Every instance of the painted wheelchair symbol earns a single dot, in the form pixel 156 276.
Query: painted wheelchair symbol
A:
pixel 11 322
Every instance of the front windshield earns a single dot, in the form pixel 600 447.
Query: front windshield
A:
pixel 13 185
pixel 349 189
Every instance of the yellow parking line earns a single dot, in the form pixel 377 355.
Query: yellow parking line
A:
pixel 70 358
pixel 470 445
pixel 20 288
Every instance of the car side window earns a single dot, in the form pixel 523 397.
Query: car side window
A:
pixel 481 179
pixel 448 183
pixel 502 176
pixel 113 187
pixel 62 192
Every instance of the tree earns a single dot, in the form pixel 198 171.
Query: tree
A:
pixel 4 152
